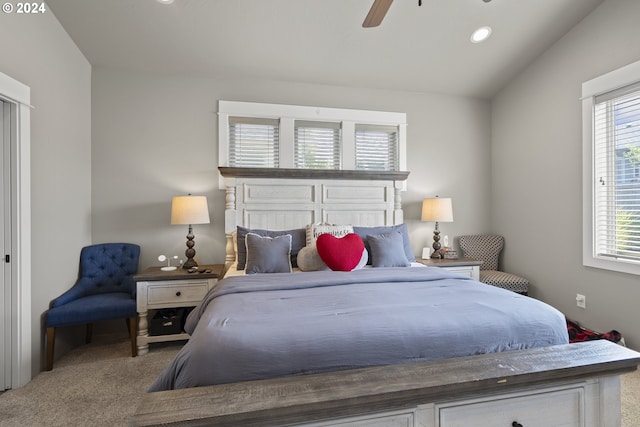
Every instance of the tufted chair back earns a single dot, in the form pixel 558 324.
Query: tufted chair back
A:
pixel 104 268
pixel 486 248
pixel 109 267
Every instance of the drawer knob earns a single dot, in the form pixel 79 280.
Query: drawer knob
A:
pixel 516 424
pixel 178 293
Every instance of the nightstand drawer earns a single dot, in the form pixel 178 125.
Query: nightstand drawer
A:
pixel 172 293
pixel 464 266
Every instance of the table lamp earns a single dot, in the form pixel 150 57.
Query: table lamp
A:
pixel 437 209
pixel 189 210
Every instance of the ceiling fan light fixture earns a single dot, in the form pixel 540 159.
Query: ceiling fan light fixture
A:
pixel 481 34
pixel 165 1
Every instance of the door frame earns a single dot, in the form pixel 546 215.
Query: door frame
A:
pixel 16 93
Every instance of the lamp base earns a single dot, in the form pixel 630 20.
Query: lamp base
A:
pixel 190 252
pixel 189 264
pixel 437 254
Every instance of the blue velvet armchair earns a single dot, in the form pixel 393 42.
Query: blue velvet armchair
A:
pixel 105 290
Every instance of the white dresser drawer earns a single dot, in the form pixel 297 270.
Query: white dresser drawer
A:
pixel 553 408
pixel 174 293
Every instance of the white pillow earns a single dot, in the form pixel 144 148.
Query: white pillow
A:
pixel 309 260
pixel 314 230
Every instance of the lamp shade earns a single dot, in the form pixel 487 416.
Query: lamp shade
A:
pixel 189 210
pixel 437 209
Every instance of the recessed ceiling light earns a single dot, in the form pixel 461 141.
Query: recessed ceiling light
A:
pixel 165 1
pixel 481 34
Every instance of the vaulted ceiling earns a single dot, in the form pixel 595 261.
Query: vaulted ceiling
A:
pixel 417 48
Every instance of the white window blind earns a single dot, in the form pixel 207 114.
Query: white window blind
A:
pixel 254 142
pixel 316 145
pixel 376 147
pixel 258 135
pixel 616 163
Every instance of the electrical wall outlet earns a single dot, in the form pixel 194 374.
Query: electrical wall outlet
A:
pixel 581 301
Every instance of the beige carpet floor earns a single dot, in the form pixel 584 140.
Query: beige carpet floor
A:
pixel 631 399
pixel 100 385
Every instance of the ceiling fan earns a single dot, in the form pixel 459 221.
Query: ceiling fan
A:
pixel 379 10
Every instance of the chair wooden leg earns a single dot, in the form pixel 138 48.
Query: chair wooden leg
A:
pixel 132 323
pixel 89 333
pixel 51 340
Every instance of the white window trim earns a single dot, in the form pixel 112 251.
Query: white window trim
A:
pixel 287 114
pixel 616 79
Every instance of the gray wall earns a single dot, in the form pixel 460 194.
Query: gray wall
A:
pixel 537 171
pixel 513 167
pixel 38 52
pixel 155 137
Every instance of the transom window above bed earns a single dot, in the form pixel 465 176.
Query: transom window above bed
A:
pixel 316 145
pixel 253 142
pixel 305 137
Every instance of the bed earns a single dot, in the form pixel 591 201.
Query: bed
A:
pixel 252 327
pixel 286 326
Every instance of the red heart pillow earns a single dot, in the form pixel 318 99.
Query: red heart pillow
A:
pixel 340 253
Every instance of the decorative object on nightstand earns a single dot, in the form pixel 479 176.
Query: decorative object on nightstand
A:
pixel 189 210
pixel 449 253
pixel 168 267
pixel 437 209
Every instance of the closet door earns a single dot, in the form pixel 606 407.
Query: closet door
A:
pixel 5 245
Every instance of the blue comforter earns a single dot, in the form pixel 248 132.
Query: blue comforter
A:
pixel 271 325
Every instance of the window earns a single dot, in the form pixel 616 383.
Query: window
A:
pixel 317 145
pixel 376 148
pixel 261 135
pixel 253 142
pixel 611 115
pixel 616 130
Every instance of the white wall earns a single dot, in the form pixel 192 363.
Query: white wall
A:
pixel 155 137
pixel 537 171
pixel 37 51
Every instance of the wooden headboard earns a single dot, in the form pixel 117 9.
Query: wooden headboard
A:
pixel 279 199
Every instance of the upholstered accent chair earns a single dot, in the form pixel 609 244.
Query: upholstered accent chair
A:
pixel 105 290
pixel 487 248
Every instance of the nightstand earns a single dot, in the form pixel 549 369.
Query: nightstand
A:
pixel 157 289
pixel 466 266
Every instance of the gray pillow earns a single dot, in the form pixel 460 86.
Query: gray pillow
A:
pixel 387 250
pixel 370 231
pixel 268 254
pixel 298 241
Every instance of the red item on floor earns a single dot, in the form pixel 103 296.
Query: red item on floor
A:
pixel 578 334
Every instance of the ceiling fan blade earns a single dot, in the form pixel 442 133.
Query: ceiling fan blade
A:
pixel 376 13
